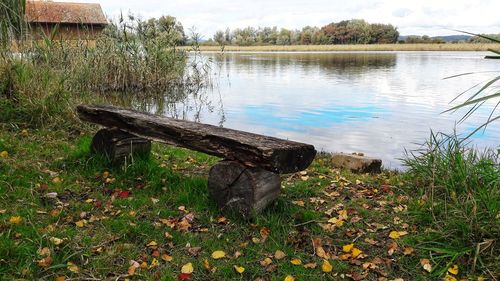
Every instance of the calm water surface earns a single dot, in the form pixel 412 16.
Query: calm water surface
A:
pixel 375 103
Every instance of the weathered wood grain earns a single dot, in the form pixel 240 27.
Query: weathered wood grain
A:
pixel 245 190
pixel 273 154
pixel 118 145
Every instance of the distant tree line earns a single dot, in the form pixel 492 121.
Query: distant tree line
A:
pixel 354 31
pixel 477 39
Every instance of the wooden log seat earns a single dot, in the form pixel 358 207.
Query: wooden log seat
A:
pixel 246 180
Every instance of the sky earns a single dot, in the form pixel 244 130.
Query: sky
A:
pixel 412 17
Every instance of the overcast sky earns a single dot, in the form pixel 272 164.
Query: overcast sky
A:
pixel 432 17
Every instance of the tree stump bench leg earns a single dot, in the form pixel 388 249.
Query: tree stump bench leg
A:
pixel 119 145
pixel 246 190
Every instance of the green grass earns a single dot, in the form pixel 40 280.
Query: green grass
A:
pixel 177 177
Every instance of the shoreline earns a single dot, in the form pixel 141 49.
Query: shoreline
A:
pixel 459 47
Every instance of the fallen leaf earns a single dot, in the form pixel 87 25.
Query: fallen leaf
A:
pixel 426 264
pixel 73 267
pixel 187 268
pixel 453 270
pixel 167 258
pixel 347 248
pixel 44 252
pixel 397 234
pixel 296 262
pixel 279 255
pixel 408 251
pixel 449 278
pixel 266 262
pixel 289 278
pixel 194 251
pixel 239 269
pixel 218 255
pixel 310 265
pixel 45 262
pixel 320 252
pixel 355 252
pixel 124 194
pixel 56 180
pixel 154 263
pixel 152 244
pixel 60 278
pixel 343 214
pixel 326 266
pixel 56 241
pixel 15 220
pixel 81 223
pixel 4 154
pixel 264 233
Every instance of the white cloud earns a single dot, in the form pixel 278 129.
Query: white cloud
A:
pixel 432 17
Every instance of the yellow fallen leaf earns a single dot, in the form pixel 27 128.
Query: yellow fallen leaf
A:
pixel 355 252
pixel 347 248
pixel 73 267
pixel 266 262
pixel 144 265
pixel 397 234
pixel 326 266
pixel 453 270
pixel 239 269
pixel 4 154
pixel 56 180
pixel 167 258
pixel 449 278
pixel 81 223
pixel 343 214
pixel 154 263
pixel 296 262
pixel 187 268
pixel 279 254
pixel 218 255
pixel 15 220
pixel 289 278
pixel 480 278
pixel 56 241
pixel 152 244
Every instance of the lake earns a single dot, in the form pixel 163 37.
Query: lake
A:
pixel 377 103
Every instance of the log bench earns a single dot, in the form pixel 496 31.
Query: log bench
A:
pixel 246 180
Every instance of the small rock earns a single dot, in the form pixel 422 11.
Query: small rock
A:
pixel 356 163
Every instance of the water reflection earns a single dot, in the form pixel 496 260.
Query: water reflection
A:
pixel 375 103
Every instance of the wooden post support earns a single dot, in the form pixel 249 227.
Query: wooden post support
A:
pixel 118 145
pixel 246 190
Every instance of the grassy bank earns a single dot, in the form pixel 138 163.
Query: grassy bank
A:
pixel 333 48
pixel 67 213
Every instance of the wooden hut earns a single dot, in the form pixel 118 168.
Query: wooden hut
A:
pixel 65 21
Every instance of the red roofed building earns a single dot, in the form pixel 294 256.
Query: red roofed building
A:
pixel 65 21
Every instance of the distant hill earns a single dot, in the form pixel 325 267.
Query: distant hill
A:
pixel 445 38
